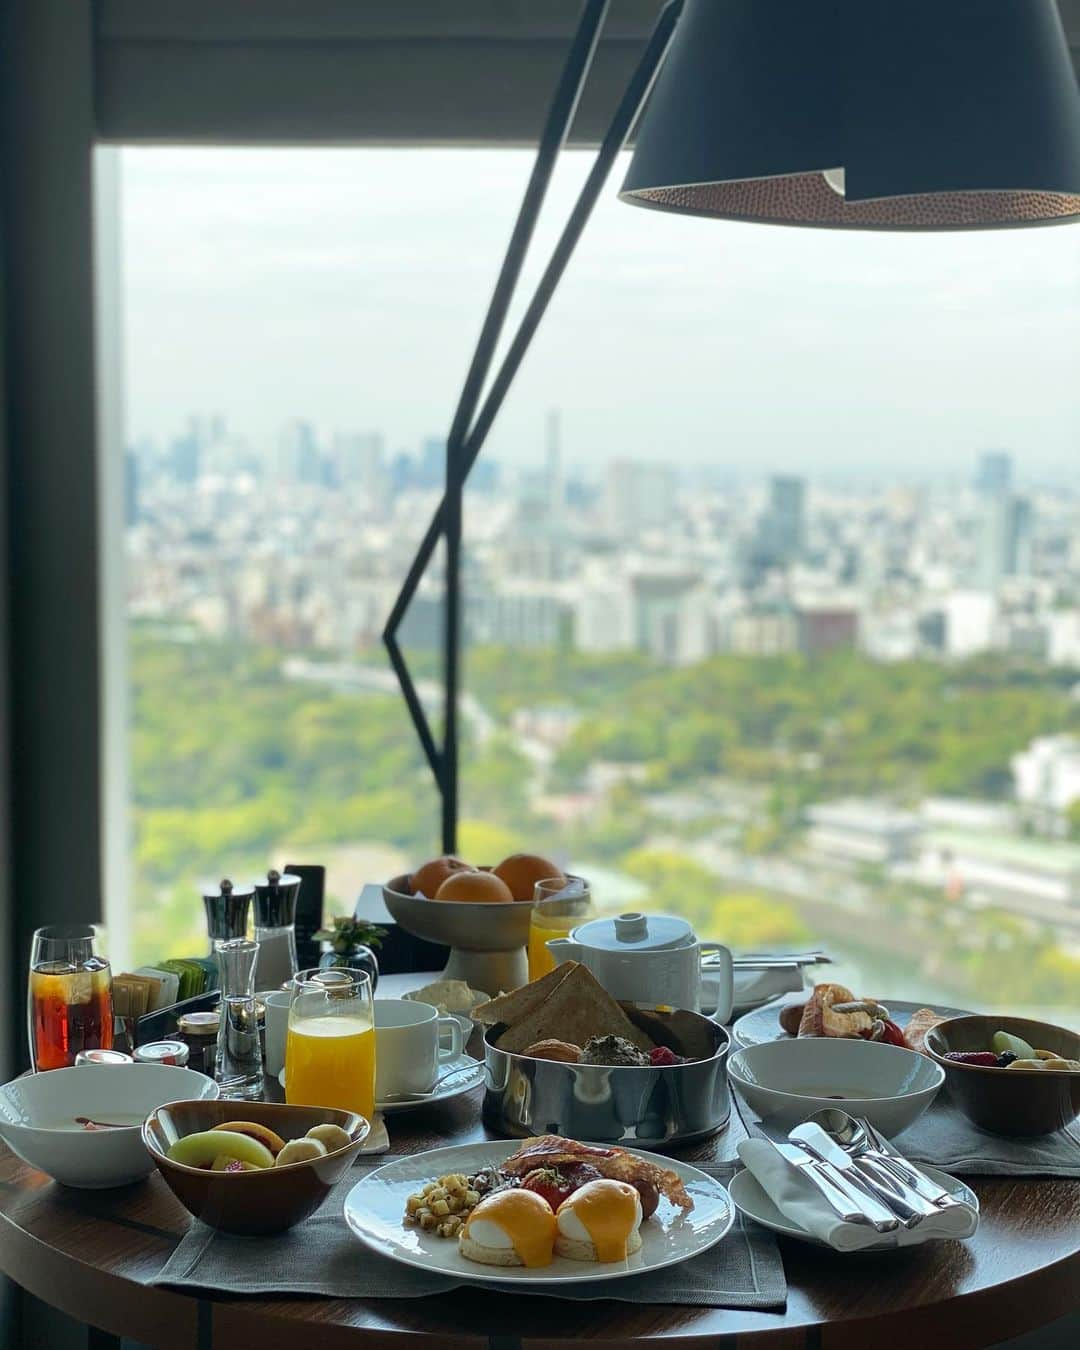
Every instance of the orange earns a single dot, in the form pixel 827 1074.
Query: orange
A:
pixel 521 872
pixel 426 880
pixel 474 888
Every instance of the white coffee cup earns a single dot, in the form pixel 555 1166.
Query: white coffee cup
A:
pixel 277 1028
pixel 409 1049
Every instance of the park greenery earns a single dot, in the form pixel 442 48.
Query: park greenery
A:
pixel 233 763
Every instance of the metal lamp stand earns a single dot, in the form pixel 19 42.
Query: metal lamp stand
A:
pixel 470 428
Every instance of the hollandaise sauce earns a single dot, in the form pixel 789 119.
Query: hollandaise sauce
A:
pixel 524 1219
pixel 609 1212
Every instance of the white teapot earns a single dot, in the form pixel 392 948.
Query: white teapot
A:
pixel 652 959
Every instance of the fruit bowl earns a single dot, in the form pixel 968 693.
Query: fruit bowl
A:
pixel 1018 1102
pixel 251 1203
pixel 487 942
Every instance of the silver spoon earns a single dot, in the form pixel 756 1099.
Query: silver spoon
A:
pixel 426 1096
pixel 861 1140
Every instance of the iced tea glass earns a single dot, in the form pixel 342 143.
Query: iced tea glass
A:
pixel 69 1002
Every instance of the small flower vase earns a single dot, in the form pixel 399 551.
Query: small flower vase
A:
pixel 358 957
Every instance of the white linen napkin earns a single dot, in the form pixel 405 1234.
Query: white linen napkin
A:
pixel 800 1201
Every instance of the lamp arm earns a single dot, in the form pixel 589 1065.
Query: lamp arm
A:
pixel 464 445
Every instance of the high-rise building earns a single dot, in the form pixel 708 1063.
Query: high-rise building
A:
pixel 781 533
pixel 640 496
pixel 298 458
pixel 360 465
pixel 556 490
pixel 787 508
pixel 184 455
pixel 131 487
pixel 993 476
pixel 431 472
pixel 1005 523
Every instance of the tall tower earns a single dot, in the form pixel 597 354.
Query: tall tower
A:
pixel 556 488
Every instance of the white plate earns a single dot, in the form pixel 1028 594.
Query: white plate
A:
pixel 375 1206
pixel 750 1199
pixel 471 1077
pixel 763 1024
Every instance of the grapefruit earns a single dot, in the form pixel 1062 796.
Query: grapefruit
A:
pixel 475 888
pixel 426 880
pixel 521 872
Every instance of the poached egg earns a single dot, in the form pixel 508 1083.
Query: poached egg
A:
pixel 605 1213
pixel 513 1220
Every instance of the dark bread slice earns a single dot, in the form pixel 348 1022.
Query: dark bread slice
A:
pixel 578 1009
pixel 512 1007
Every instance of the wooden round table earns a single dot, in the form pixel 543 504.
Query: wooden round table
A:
pixel 89 1253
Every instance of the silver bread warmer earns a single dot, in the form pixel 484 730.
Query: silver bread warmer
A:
pixel 650 1107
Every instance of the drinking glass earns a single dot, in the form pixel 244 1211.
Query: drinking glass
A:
pixel 69 996
pixel 330 1044
pixel 558 906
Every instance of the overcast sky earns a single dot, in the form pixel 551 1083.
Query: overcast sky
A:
pixel 348 286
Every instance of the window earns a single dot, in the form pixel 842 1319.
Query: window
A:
pixel 772 586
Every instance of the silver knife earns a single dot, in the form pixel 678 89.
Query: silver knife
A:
pixel 837 1199
pixel 896 1196
pixel 908 1172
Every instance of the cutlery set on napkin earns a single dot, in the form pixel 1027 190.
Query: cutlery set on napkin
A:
pixel 839 1181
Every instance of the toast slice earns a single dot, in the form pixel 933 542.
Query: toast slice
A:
pixel 518 1003
pixel 577 1009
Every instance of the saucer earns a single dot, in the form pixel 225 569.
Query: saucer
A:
pixel 750 1198
pixel 468 1074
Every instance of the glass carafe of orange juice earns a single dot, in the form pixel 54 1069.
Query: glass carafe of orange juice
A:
pixel 330 1046
pixel 559 905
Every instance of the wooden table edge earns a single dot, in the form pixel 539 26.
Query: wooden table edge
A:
pixel 169 1318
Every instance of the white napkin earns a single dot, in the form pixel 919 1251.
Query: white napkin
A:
pixel 799 1200
pixel 754 987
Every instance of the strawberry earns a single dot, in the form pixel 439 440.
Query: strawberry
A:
pixel 892 1035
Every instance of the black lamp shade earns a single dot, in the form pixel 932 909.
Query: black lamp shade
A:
pixel 941 114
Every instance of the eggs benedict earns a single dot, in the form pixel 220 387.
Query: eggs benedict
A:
pixel 510 1228
pixel 599 1222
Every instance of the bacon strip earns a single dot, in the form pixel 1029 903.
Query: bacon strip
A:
pixel 551 1150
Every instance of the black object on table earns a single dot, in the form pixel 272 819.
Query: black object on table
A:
pixel 400 953
pixel 309 911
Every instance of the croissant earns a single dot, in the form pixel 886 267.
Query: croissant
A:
pixel 821 1016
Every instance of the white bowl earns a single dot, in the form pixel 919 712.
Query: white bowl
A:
pixel 37 1118
pixel 787 1081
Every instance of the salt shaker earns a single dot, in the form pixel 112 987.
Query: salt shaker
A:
pixel 239 1058
pixel 275 929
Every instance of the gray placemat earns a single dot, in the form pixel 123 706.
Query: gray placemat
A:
pixel 321 1256
pixel 945 1138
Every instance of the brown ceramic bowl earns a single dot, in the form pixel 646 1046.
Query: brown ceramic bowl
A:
pixel 251 1203
pixel 1009 1101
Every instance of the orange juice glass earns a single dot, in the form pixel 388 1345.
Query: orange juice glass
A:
pixel 330 1045
pixel 558 907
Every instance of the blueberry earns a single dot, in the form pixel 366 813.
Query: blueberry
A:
pixel 1003 1061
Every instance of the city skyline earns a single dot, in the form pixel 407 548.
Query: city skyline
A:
pixel 277 283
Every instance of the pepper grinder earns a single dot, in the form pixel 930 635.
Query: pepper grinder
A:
pixel 275 929
pixel 239 1068
pixel 227 913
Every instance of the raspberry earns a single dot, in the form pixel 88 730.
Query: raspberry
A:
pixel 984 1058
pixel 661 1057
